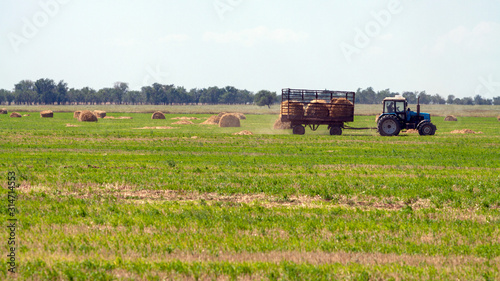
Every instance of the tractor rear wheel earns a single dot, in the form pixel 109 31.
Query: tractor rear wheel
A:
pixel 426 128
pixel 299 130
pixel 388 125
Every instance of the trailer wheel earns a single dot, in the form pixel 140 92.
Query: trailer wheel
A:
pixel 299 130
pixel 388 125
pixel 335 131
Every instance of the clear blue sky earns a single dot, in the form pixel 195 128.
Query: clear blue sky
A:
pixel 445 47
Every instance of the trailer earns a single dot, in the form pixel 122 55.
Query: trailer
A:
pixel 314 108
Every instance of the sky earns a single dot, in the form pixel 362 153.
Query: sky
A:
pixel 446 47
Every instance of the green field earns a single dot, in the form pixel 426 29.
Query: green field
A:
pixel 108 201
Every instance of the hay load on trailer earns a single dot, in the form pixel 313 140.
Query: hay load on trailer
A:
pixel 322 107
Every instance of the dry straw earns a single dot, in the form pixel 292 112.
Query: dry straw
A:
pixel 450 118
pixel 47 114
pixel 100 113
pixel 3 111
pixel 292 108
pixel 341 108
pixel 183 122
pixel 15 115
pixel 243 133
pixel 229 120
pixel 317 108
pixel 158 115
pixel 87 116
pixel 280 125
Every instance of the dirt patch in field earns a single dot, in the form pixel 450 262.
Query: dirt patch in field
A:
pixel 465 131
pixel 156 128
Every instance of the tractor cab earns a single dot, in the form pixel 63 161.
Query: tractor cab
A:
pixel 397 116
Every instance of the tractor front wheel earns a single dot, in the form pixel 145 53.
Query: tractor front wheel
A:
pixel 388 125
pixel 426 129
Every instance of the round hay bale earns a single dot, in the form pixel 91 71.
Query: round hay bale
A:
pixel 15 115
pixel 47 114
pixel 292 108
pixel 317 108
pixel 279 125
pixel 341 107
pixel 228 120
pixel 3 111
pixel 212 120
pixel 158 115
pixel 100 113
pixel 87 116
pixel 243 133
pixel 76 114
pixel 450 118
pixel 498 118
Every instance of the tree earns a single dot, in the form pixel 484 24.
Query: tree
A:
pixel 264 97
pixel 62 92
pixel 411 97
pixel 450 99
pixel 25 92
pixel 46 91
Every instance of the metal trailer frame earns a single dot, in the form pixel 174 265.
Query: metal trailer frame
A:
pixel 335 124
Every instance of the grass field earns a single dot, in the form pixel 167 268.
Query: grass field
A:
pixel 107 201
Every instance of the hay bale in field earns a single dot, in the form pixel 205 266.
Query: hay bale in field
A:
pixel 280 125
pixel 3 111
pixel 47 114
pixel 87 116
pixel 498 118
pixel 108 117
pixel 317 108
pixel 125 117
pixel 212 120
pixel 377 117
pixel 450 118
pixel 240 116
pixel 292 108
pixel 15 115
pixel 158 115
pixel 183 122
pixel 26 115
pixel 228 120
pixel 76 114
pixel 341 107
pixel 100 113
pixel 243 133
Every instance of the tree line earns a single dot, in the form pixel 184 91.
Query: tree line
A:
pixel 47 91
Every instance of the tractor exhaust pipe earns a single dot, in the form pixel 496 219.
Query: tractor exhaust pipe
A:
pixel 418 109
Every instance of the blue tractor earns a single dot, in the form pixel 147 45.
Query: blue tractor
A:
pixel 397 116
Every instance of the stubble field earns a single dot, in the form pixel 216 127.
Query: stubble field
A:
pixel 107 201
